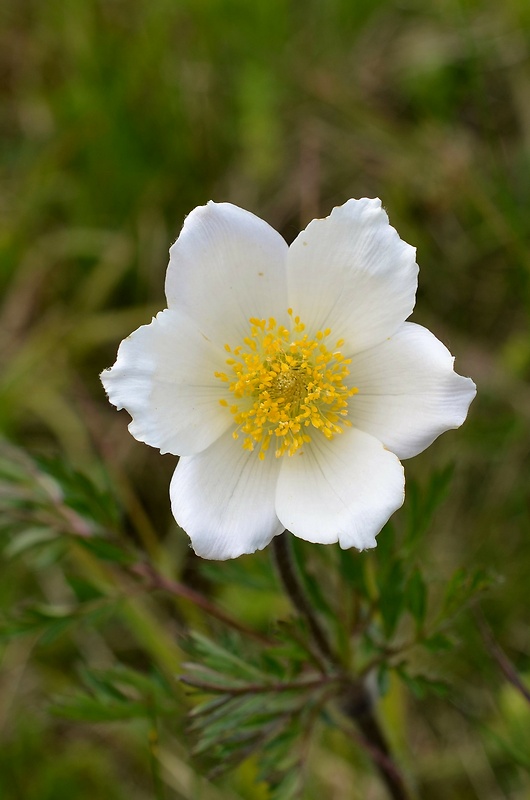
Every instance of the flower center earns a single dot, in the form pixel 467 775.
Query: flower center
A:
pixel 286 386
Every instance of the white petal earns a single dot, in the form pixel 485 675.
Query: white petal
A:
pixel 340 490
pixel 226 266
pixel 164 377
pixel 408 391
pixel 224 499
pixel 352 273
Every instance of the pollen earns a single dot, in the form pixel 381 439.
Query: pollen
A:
pixel 286 386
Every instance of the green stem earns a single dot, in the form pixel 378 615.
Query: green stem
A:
pixel 357 703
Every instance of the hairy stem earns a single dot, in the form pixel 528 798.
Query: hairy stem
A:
pixel 357 703
pixel 157 581
pixel 293 587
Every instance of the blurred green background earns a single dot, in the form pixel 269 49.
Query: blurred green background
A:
pixel 117 117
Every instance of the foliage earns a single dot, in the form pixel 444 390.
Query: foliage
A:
pixel 261 696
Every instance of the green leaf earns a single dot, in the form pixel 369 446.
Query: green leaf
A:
pixel 421 685
pixel 391 596
pixel 28 539
pixel 52 621
pixel 222 660
pixel 251 572
pixel 515 752
pixel 416 597
pixel 463 586
pixel 119 693
pixel 384 554
pixel 84 590
pixel 106 550
pixel 87 709
pixel 383 679
pixel 294 646
pixel 80 492
pixel 422 503
pixel 438 643
pixel 352 566
pixel 310 583
pixel 253 712
pixel 53 630
pixel 208 706
pixel 205 680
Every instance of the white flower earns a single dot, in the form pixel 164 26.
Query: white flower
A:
pixel 287 379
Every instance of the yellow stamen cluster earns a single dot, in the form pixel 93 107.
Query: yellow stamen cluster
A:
pixel 285 384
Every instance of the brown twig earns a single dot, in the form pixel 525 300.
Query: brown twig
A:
pixel 383 760
pixel 293 587
pixel 500 657
pixel 177 589
pixel 357 703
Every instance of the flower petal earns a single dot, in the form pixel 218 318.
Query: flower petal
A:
pixel 227 266
pixel 164 377
pixel 224 499
pixel 352 273
pixel 408 391
pixel 340 490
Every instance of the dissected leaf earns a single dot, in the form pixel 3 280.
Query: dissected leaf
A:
pixel 257 709
pixel 462 587
pixel 391 596
pixel 421 685
pixel 416 596
pixel 423 501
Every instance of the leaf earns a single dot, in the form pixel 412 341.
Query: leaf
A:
pixel 416 597
pixel 29 538
pixel 309 582
pixel 106 550
pixel 421 685
pixel 119 693
pixel 294 646
pixel 84 590
pixel 351 566
pixel 422 503
pixel 515 752
pixel 391 596
pixel 253 573
pixel 52 621
pixel 80 493
pixel 462 587
pixel 87 709
pixel 384 554
pixel 221 659
pixel 438 643
pixel 207 707
pixel 255 709
pixel 383 679
pixel 204 679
